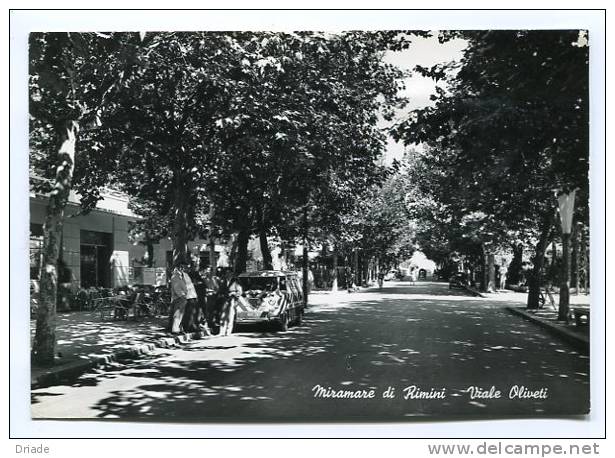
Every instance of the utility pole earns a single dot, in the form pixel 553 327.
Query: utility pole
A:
pixel 566 211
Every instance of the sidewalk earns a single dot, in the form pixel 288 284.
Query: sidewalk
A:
pixel 508 295
pixel 83 341
pixel 546 317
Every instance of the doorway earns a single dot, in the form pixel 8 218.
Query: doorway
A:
pixel 95 257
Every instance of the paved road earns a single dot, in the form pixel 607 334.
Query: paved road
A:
pixel 441 342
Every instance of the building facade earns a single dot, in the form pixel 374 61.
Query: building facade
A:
pixel 95 247
pixel 98 251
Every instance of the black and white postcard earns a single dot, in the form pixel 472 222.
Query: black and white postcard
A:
pixel 310 225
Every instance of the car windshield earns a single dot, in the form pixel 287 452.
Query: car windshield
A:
pixel 259 283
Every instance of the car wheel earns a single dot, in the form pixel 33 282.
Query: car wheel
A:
pixel 283 323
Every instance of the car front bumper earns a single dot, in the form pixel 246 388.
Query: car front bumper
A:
pixel 256 317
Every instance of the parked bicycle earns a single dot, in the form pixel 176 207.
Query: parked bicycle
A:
pixel 546 296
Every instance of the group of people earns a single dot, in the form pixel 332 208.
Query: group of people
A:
pixel 203 301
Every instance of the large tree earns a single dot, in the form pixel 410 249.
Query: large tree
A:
pixel 159 142
pixel 73 79
pixel 305 134
pixel 382 222
pixel 512 128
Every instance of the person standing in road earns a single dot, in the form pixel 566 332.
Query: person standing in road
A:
pixel 350 285
pixel 178 299
pixel 227 316
pixel 182 290
pixel 190 321
pixel 503 273
pixel 212 289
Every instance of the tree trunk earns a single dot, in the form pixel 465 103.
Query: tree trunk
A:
pixel 584 261
pixel 304 261
pixel 575 258
pixel 233 255
pixel 514 270
pixel 242 251
pixel 63 276
pixel 180 220
pixel 491 288
pixel 335 262
pixel 282 256
pixel 149 246
pixel 485 270
pixel 535 277
pixel 45 337
pixel 211 244
pixel 265 251
pixel 564 290
pixel 355 267
pixel 180 238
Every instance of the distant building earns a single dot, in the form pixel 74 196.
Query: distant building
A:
pixel 425 267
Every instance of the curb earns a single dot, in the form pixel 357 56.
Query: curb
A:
pixel 53 375
pixel 474 292
pixel 578 341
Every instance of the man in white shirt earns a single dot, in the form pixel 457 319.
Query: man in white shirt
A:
pixel 234 293
pixel 182 289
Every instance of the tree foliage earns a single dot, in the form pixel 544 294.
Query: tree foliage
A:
pixel 262 125
pixel 307 135
pixel 69 86
pixel 509 131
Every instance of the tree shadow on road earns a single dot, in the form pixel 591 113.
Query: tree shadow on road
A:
pixel 418 288
pixel 361 343
pixel 82 335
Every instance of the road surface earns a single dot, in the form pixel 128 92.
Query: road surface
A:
pixel 443 352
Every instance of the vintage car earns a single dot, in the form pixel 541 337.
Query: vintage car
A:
pixel 270 297
pixel 458 280
pixel 391 275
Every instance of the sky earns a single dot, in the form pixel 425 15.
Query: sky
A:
pixel 426 52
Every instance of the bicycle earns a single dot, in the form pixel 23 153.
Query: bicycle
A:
pixel 160 303
pixel 546 293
